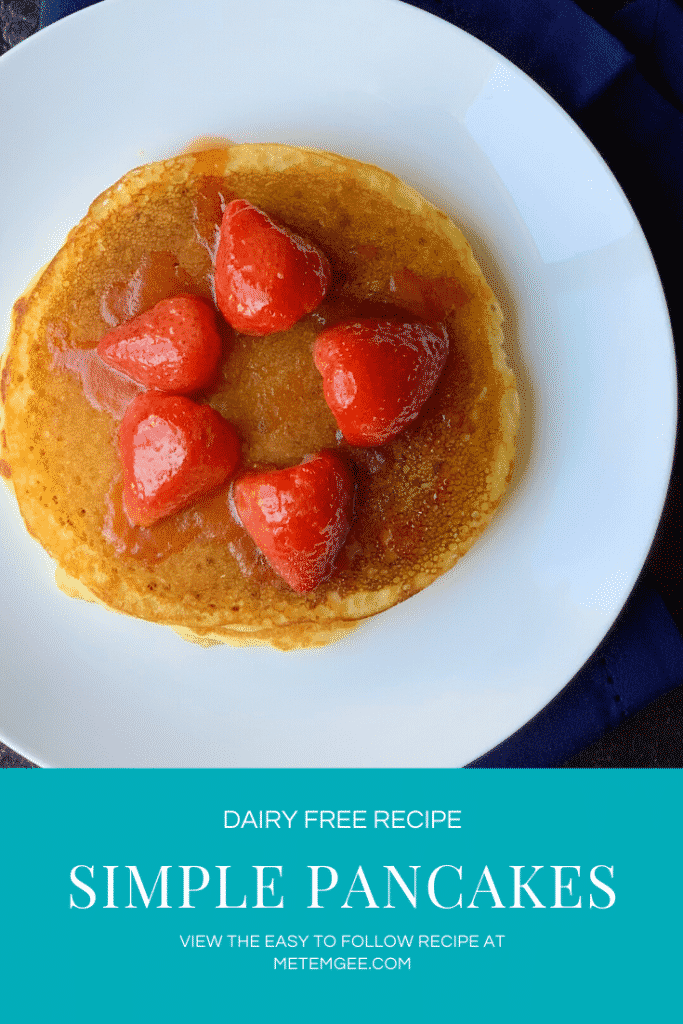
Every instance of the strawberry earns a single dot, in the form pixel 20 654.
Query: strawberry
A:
pixel 174 346
pixel 299 517
pixel 377 375
pixel 173 451
pixel 266 277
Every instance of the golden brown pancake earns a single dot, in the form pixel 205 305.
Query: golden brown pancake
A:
pixel 422 499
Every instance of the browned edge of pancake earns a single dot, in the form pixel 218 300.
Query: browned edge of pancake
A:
pixel 338 615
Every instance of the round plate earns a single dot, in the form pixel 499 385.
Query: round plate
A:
pixel 445 676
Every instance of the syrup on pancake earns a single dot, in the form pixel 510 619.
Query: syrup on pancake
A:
pixel 422 499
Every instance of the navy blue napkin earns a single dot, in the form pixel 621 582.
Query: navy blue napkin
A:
pixel 621 79
pixel 640 658
pixel 53 10
pixel 622 82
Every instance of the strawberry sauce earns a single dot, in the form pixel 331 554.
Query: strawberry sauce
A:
pixel 105 389
pixel 160 275
pixel 209 520
pixel 207 212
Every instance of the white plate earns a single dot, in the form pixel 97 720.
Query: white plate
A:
pixel 442 678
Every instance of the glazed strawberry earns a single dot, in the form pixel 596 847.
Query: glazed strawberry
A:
pixel 173 347
pixel 266 277
pixel 173 452
pixel 298 517
pixel 377 375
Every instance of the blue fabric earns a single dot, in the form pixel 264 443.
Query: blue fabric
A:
pixel 654 33
pixel 623 84
pixel 553 41
pixel 641 658
pixel 53 10
pixel 622 81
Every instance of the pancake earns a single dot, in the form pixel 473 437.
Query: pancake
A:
pixel 422 499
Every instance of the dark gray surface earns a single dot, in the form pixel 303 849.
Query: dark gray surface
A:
pixel 651 739
pixel 18 20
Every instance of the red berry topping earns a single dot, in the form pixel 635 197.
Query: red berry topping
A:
pixel 173 451
pixel 266 277
pixel 377 375
pixel 173 347
pixel 298 517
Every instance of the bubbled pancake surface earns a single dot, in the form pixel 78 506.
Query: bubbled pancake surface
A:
pixel 422 499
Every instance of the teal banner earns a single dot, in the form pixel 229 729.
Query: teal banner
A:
pixel 365 895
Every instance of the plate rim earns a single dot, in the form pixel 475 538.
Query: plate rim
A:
pixel 95 12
